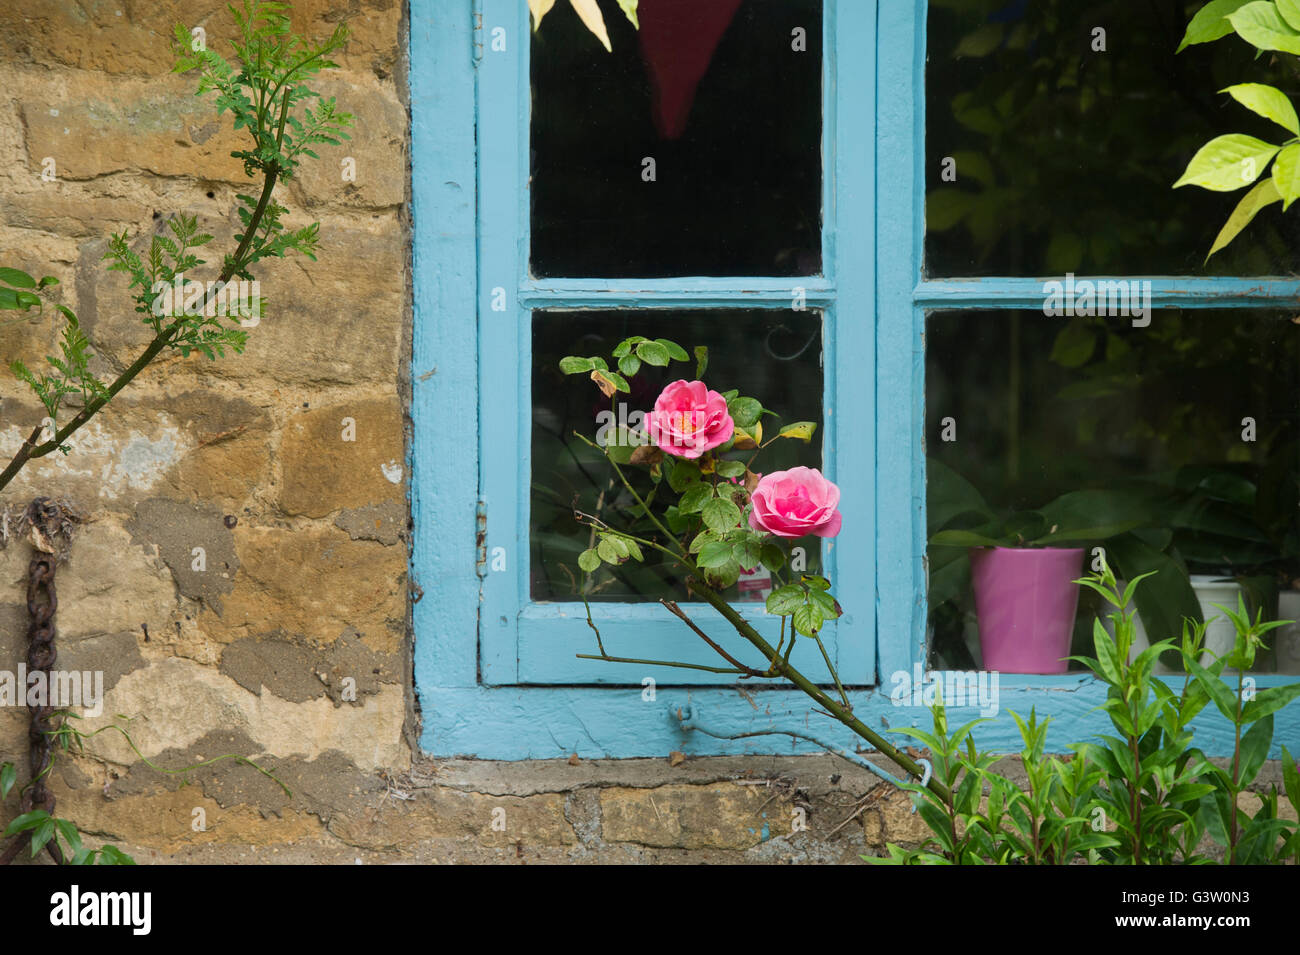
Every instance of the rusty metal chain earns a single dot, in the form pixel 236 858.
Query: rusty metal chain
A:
pixel 49 525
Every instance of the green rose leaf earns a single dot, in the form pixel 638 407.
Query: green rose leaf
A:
pixel 701 360
pixel 675 351
pixel 1290 11
pixel 714 554
pixel 652 353
pixel 773 556
pixel 608 552
pixel 803 430
pixel 8 775
pixel 696 496
pixel 825 603
pixel 807 619
pixel 721 515
pixel 744 412
pixel 731 469
pixel 629 365
pixel 748 553
pixel 1227 162
pixel 816 583
pixel 703 537
pixel 785 600
pixel 589 560
pixel 682 474
pixel 572 365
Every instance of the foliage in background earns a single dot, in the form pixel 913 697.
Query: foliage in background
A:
pixel 589 12
pixel 1235 160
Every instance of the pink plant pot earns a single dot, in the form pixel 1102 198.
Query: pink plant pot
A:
pixel 1026 599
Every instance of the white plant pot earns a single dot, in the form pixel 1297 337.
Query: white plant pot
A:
pixel 1286 640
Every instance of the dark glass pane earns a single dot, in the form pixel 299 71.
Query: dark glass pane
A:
pixel 1154 417
pixel 771 355
pixel 1065 156
pixel 737 158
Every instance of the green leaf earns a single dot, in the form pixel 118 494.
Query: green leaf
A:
pixel 730 469
pixel 8 775
pixel 1286 175
pixel 573 365
pixel 1211 22
pixel 1260 25
pixel 619 381
pixel 652 353
pixel 696 496
pixel 1290 12
pixel 1263 195
pixel 609 552
pixel 16 278
pixel 1254 750
pixel 701 360
pixel 961 538
pixel 744 411
pixel 1074 344
pixel 815 582
pixel 629 365
pixel 714 554
pixel 112 855
pixel 785 600
pixel 748 553
pixel 772 556
pixel 721 515
pixel 1227 162
pixel 675 351
pixel 1217 690
pixel 825 603
pixel 1268 101
pixel 42 834
pixel 70 834
pixel 801 430
pixel 1267 702
pixel 28 820
pixel 589 560
pixel 807 619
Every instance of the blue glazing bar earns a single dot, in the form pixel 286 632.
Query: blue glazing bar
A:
pixel 700 292
pixel 1191 291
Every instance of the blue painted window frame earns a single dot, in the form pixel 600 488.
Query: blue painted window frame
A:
pixel 467 214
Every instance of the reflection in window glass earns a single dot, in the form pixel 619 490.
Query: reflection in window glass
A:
pixel 694 148
pixel 1064 153
pixel 1190 423
pixel 769 354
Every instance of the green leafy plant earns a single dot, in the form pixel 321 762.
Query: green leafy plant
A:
pixel 1138 796
pixel 1235 160
pixel 265 89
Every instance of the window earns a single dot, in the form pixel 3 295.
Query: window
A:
pixel 562 194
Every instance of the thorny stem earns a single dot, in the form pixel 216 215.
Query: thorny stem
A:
pixel 31 449
pixel 841 713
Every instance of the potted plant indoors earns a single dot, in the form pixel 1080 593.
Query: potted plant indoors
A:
pixel 1022 565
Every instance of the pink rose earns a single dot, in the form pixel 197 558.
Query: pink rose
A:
pixel 794 503
pixel 688 420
